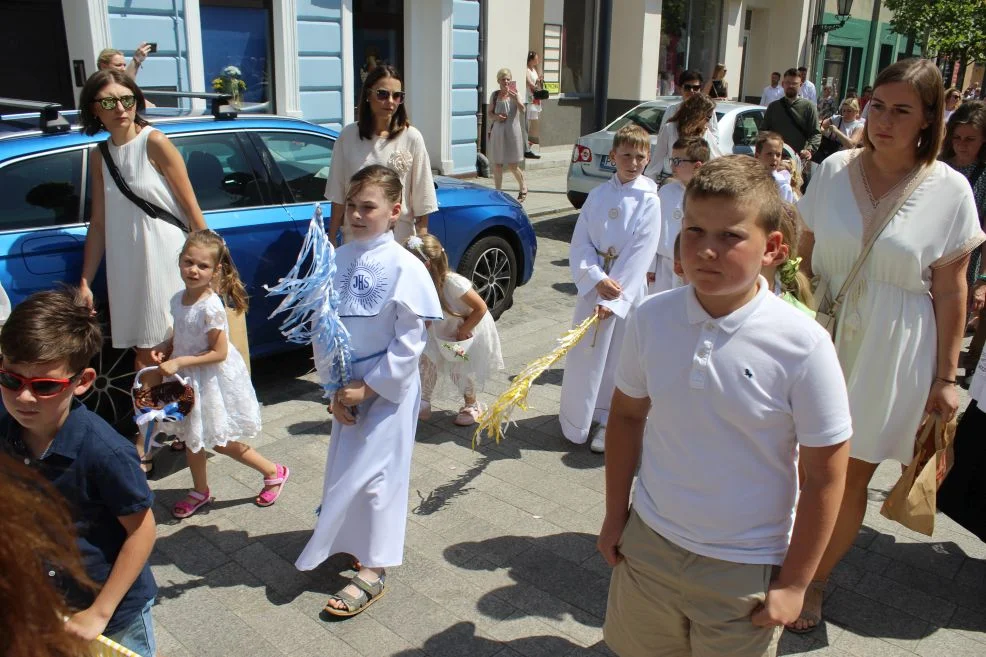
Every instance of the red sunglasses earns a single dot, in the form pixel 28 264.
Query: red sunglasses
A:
pixel 40 386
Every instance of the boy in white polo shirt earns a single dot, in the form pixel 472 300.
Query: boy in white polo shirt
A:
pixel 710 559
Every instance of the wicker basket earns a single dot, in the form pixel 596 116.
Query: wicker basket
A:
pixel 175 391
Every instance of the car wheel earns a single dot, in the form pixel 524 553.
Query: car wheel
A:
pixel 109 397
pixel 491 265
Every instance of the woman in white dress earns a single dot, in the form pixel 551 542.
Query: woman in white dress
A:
pixel 691 119
pixel 141 251
pixel 533 106
pixel 900 328
pixel 505 146
pixel 383 134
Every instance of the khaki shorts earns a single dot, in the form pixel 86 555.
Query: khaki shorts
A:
pixel 665 601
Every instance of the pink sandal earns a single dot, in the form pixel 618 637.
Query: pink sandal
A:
pixel 268 497
pixel 184 508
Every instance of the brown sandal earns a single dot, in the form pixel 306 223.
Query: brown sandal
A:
pixel 522 196
pixel 811 611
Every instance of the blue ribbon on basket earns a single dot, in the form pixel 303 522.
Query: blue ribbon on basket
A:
pixel 312 304
pixel 146 417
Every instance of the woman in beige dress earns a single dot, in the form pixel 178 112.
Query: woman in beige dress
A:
pixel 383 135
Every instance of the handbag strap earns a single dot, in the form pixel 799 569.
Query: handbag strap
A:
pixel 918 178
pixel 796 119
pixel 148 208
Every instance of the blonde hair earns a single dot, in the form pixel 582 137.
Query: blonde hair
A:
pixel 229 286
pixel 719 69
pixel 796 180
pixel 792 279
pixel 851 103
pixel 431 252
pixel 632 135
pixel 105 56
pixel 504 73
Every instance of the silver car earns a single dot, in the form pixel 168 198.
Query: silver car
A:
pixel 738 127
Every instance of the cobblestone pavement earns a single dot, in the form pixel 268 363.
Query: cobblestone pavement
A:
pixel 500 557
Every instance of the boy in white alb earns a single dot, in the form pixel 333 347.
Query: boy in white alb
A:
pixel 614 240
pixel 688 154
pixel 710 560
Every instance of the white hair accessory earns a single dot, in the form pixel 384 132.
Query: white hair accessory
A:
pixel 416 244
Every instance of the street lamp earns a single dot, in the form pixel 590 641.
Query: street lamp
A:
pixel 843 10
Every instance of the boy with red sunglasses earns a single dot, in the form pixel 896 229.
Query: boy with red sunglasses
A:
pixel 47 343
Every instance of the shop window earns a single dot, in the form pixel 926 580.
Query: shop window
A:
pixel 690 36
pixel 237 50
pixel 578 46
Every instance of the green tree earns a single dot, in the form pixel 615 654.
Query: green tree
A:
pixel 951 28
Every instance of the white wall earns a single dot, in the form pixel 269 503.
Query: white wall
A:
pixel 777 36
pixel 87 31
pixel 427 74
pixel 634 49
pixel 507 36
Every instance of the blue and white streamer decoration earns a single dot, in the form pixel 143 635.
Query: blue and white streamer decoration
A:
pixel 312 304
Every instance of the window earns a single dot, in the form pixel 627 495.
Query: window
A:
pixel 219 172
pixel 42 191
pixel 690 36
pixel 303 160
pixel 578 21
pixel 648 118
pixel 747 127
pixel 237 51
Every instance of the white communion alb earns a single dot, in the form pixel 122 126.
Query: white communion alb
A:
pixel 616 236
pixel 386 295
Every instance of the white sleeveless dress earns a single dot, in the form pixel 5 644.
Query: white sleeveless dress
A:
pixel 141 251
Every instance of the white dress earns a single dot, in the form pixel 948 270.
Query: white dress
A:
pixel 533 108
pixel 141 251
pixel 386 295
pixel 226 405
pixel 623 219
pixel 672 196
pixel 484 354
pixel 406 154
pixel 887 338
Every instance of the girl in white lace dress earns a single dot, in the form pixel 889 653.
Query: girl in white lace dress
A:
pixel 226 411
pixel 467 322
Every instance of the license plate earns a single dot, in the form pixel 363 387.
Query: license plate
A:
pixel 605 164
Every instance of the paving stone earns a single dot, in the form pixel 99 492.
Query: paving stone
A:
pixel 861 615
pixel 894 594
pixel 948 643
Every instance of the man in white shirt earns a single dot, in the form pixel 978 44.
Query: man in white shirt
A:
pixel 773 92
pixel 720 386
pixel 808 91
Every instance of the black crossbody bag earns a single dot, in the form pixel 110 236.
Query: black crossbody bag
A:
pixel 150 209
pixel 797 122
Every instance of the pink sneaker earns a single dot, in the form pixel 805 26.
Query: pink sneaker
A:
pixel 468 414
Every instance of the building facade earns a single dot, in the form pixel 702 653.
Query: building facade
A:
pixel 307 58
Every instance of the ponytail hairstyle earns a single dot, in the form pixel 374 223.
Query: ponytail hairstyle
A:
pixel 229 286
pixel 793 280
pixel 429 251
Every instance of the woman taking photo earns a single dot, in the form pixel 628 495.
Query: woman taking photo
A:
pixel 901 324
pixel 383 134
pixel 691 120
pixel 965 151
pixel 505 145
pixel 717 88
pixel 846 127
pixel 141 251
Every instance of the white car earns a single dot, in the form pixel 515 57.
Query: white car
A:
pixel 739 124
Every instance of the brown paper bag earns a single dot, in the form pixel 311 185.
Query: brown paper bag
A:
pixel 912 501
pixel 238 333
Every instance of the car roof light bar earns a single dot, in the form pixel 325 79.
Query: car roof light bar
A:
pixel 221 103
pixel 49 118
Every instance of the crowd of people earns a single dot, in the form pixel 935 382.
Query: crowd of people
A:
pixel 706 371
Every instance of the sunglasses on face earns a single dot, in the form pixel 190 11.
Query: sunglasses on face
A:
pixel 691 87
pixel 110 102
pixel 40 387
pixel 384 94
pixel 677 161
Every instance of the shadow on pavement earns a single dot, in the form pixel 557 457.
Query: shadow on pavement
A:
pixel 557 228
pixel 461 639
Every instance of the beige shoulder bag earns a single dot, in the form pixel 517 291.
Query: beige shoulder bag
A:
pixel 828 308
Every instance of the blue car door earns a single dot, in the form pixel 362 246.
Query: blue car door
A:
pixel 233 190
pixel 42 232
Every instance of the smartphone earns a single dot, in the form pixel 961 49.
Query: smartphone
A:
pixel 153 47
pixel 512 85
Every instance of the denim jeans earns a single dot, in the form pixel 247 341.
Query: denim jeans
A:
pixel 139 635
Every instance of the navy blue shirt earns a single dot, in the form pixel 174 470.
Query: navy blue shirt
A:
pixel 98 472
